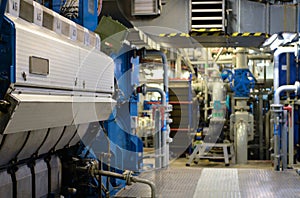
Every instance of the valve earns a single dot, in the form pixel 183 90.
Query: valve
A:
pixel 141 89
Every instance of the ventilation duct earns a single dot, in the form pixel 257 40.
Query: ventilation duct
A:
pixel 145 7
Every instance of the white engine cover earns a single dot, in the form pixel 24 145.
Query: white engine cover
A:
pixel 72 65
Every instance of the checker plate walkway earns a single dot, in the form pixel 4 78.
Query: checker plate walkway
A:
pixel 217 182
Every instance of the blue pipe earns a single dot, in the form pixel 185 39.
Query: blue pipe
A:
pixel 2 11
pixel 13 49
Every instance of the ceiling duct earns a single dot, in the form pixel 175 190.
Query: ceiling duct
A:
pixel 145 7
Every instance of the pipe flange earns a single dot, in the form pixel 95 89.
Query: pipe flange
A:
pixel 128 177
pixel 297 84
pixel 277 108
pixel 169 108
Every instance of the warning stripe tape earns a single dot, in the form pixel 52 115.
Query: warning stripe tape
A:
pixel 215 33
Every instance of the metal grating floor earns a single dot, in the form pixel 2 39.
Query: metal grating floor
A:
pixel 218 182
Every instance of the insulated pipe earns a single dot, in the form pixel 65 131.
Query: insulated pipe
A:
pixel 280 89
pixel 241 142
pixel 241 63
pixel 241 58
pixel 277 53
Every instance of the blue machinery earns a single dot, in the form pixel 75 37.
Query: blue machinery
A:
pixel 63 131
pixel 241 121
pixel 68 112
pixel 286 114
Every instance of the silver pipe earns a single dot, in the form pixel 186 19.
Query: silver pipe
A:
pixel 291 137
pixel 267 23
pixel 279 126
pixel 166 134
pixel 267 134
pixel 160 91
pixel 128 178
pixel 288 74
pixel 144 181
pixel 241 143
pixel 284 142
pixel 265 74
pixel 178 70
pixel 238 2
pixel 165 68
pixel 241 58
pixel 261 126
pixel 284 88
pixel 218 54
pixel 157 140
pixel 206 88
pixel 160 146
pixel 277 53
pixel 258 57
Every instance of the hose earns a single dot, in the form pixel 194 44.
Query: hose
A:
pixel 128 178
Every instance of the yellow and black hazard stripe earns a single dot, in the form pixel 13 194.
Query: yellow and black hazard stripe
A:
pixel 175 35
pixel 214 32
pixel 207 32
pixel 249 34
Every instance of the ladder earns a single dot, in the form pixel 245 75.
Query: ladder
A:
pixel 208 14
pixel 205 151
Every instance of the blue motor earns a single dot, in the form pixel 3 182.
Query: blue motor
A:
pixel 240 82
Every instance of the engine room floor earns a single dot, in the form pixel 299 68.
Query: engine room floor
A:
pixel 210 180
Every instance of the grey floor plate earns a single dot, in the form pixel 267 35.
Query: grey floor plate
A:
pixel 268 183
pixel 218 182
pixel 173 182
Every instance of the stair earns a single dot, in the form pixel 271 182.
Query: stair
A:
pixel 208 14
